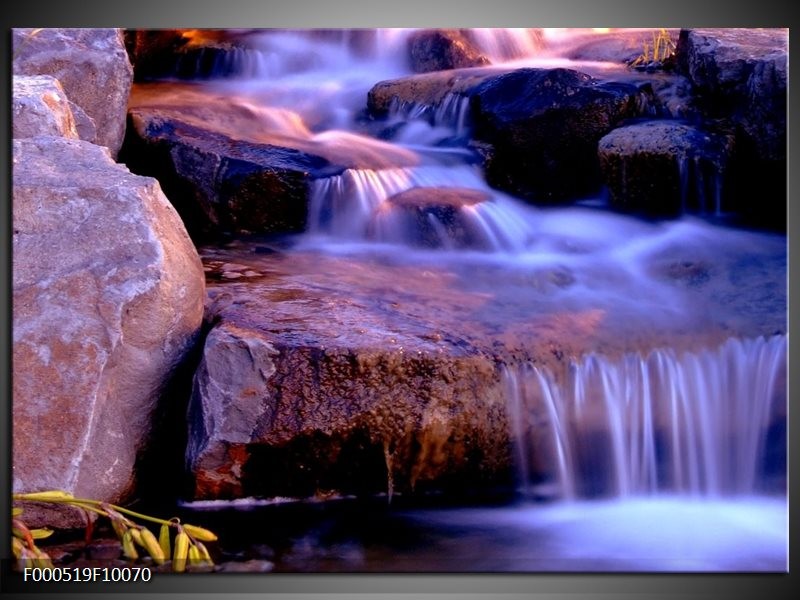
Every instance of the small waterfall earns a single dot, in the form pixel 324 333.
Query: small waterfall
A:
pixel 506 44
pixel 452 112
pixel 357 206
pixel 707 423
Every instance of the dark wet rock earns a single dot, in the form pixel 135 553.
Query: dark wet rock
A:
pixel 666 168
pixel 108 298
pixel 544 123
pixel 40 107
pixel 217 183
pixel 186 53
pixel 431 218
pixel 231 166
pixel 442 49
pixel 532 126
pixel 741 75
pixel 93 68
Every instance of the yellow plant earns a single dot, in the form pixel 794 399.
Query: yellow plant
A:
pixel 661 48
pixel 188 538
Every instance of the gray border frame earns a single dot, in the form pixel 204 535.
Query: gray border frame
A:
pixel 390 13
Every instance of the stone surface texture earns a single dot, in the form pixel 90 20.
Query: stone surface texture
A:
pixel 93 68
pixel 108 296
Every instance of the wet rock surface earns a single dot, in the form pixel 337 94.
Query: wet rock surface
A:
pixel 365 374
pixel 536 124
pixel 93 68
pixel 232 167
pixel 543 122
pixel 108 294
pixel 442 49
pixel 666 168
pixel 740 75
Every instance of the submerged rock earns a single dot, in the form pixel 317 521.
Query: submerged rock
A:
pixel 666 168
pixel 93 68
pixel 108 297
pixel 432 218
pixel 442 49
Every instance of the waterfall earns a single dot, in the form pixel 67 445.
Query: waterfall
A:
pixel 703 423
pixel 356 206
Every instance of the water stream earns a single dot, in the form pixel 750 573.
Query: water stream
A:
pixel 660 458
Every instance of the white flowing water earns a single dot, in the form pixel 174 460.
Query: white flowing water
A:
pixel 704 423
pixel 675 460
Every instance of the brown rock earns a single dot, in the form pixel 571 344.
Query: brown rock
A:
pixel 365 374
pixel 108 294
pixel 93 68
pixel 442 49
pixel 40 107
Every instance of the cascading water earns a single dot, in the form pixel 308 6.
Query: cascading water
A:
pixel 632 431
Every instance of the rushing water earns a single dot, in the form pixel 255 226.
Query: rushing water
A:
pixel 696 423
pixel 662 459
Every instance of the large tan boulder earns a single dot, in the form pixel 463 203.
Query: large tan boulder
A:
pixel 92 66
pixel 108 297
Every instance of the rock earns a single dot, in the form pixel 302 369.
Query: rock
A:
pixel 108 297
pixel 666 168
pixel 442 49
pixel 40 107
pixel 532 126
pixel 270 415
pixel 230 166
pixel 93 68
pixel 187 53
pixel 362 374
pixel 543 126
pixel 432 218
pixel 220 185
pixel 740 75
pixel 429 89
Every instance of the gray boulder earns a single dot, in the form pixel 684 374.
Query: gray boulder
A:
pixel 108 297
pixel 93 68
